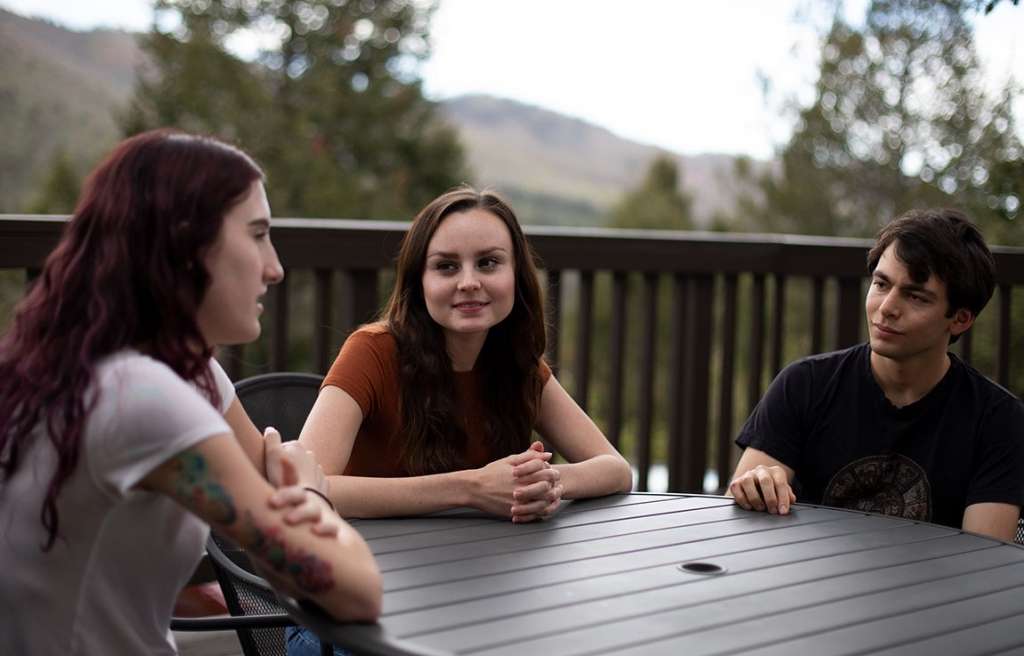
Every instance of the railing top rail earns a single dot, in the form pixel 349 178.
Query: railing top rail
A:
pixel 25 240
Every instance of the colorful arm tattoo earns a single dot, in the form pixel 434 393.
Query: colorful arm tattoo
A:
pixel 196 489
pixel 309 572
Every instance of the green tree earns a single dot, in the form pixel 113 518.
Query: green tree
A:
pixel 59 191
pixel 658 203
pixel 900 119
pixel 333 110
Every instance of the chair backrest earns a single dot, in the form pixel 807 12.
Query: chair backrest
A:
pixel 281 400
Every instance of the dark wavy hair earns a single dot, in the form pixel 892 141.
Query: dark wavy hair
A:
pixel 511 355
pixel 944 242
pixel 127 272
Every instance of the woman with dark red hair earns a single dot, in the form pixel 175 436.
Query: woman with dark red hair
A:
pixel 121 440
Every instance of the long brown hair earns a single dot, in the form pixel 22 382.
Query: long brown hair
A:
pixel 127 272
pixel 510 357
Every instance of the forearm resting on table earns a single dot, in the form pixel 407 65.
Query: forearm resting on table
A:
pixel 214 481
pixel 364 496
pixel 595 477
pixel 997 520
pixel 348 590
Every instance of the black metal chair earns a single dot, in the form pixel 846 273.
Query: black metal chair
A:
pixel 281 400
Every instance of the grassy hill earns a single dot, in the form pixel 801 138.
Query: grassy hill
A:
pixel 568 166
pixel 61 89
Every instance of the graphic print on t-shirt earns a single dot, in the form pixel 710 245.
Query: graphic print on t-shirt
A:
pixel 890 484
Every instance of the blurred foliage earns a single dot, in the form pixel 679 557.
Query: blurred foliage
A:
pixel 60 189
pixel 332 109
pixel 900 119
pixel 658 203
pixel 991 4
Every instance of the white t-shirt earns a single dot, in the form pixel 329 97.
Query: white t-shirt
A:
pixel 109 583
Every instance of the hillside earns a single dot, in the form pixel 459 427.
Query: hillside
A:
pixel 61 89
pixel 533 152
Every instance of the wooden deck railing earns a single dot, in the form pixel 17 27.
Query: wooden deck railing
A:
pixel 669 338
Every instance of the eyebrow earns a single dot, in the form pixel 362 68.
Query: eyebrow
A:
pixel 917 288
pixel 488 251
pixel 262 222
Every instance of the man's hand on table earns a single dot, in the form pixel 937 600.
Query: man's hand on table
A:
pixel 762 483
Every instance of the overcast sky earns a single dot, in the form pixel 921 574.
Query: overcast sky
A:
pixel 680 75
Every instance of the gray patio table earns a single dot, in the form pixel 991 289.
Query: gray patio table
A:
pixel 685 574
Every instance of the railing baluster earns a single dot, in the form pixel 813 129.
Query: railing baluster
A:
pixel 279 336
pixel 364 296
pixel 554 317
pixel 728 332
pixel 231 358
pixel 645 404
pixel 965 345
pixel 1004 335
pixel 322 320
pixel 850 314
pixel 756 341
pixel 584 331
pixel 817 314
pixel 694 449
pixel 676 373
pixel 778 322
pixel 617 340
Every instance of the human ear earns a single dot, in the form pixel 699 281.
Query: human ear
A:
pixel 962 320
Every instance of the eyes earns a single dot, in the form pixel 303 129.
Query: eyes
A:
pixel 487 264
pixel 880 285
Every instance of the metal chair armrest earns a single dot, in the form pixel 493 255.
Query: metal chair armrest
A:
pixel 223 560
pixel 230 623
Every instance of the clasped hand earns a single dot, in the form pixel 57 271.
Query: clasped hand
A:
pixel 523 486
pixel 292 469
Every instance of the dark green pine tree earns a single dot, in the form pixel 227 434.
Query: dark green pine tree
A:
pixel 334 111
pixel 900 119
pixel 658 203
pixel 59 191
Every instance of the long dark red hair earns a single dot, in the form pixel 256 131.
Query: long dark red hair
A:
pixel 127 272
pixel 511 355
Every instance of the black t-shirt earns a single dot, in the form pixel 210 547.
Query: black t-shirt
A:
pixel 827 418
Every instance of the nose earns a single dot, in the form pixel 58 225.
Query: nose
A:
pixel 890 306
pixel 273 272
pixel 468 280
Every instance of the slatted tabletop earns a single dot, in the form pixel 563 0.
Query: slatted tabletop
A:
pixel 624 575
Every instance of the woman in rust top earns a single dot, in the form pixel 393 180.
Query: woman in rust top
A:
pixel 434 406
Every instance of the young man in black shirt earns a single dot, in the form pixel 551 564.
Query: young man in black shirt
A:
pixel 898 425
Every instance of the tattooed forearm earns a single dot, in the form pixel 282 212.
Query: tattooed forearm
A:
pixel 309 572
pixel 194 487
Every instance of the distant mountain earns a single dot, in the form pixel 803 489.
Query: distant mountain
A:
pixel 536 153
pixel 61 89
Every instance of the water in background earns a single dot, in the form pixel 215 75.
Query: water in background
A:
pixel 657 479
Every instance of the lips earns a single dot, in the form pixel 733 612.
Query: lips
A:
pixel 885 330
pixel 470 308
